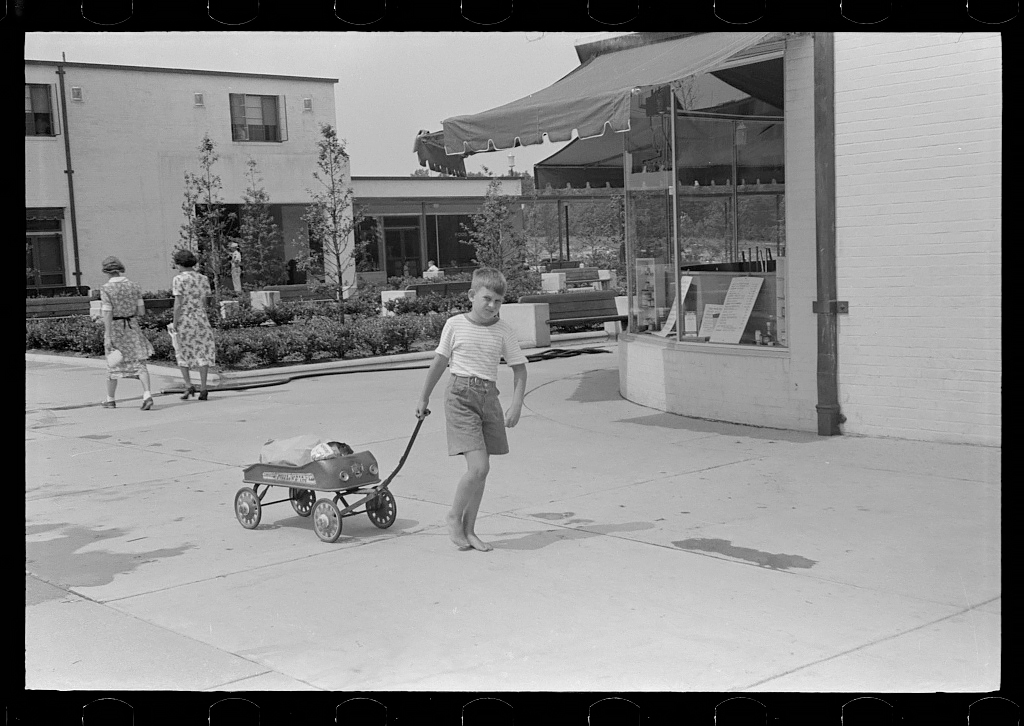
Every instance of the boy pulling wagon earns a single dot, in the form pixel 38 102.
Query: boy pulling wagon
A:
pixel 472 344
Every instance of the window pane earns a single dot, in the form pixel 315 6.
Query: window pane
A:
pixel 269 110
pixel 705 227
pixel 239 133
pixel 28 99
pixel 42 124
pixel 41 99
pixel 49 255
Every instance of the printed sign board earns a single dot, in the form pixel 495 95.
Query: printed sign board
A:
pixel 739 302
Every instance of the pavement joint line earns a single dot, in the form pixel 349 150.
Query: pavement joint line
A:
pixel 809 575
pixel 105 604
pixel 375 539
pixel 147 449
pixel 877 641
pixel 92 490
pixel 239 680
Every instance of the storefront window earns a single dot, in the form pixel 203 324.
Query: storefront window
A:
pixel 706 219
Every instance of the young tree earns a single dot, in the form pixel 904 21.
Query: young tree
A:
pixel 259 239
pixel 496 234
pixel 206 220
pixel 329 215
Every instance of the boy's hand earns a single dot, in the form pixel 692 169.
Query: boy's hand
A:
pixel 512 416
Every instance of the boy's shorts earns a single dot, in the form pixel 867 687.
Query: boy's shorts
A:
pixel 473 416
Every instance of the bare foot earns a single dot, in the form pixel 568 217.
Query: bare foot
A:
pixel 478 544
pixel 455 532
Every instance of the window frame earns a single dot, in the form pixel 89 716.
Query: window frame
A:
pixel 51 111
pixel 663 315
pixel 242 110
pixel 55 233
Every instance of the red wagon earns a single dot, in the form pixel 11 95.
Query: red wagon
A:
pixel 355 476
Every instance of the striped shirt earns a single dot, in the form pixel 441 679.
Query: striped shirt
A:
pixel 474 350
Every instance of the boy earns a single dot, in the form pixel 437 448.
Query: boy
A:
pixel 472 344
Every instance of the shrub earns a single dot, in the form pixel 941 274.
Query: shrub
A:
pixel 325 335
pixel 432 325
pixel 282 313
pixel 157 319
pixel 247 317
pixel 158 295
pixel 78 334
pixel 529 283
pixel 231 345
pixel 161 340
pixel 364 303
pixel 384 336
pixel 447 304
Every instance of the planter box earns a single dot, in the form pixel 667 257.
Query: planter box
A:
pixel 158 303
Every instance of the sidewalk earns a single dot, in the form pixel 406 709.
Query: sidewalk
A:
pixel 634 550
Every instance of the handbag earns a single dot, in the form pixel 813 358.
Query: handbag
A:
pixel 114 358
pixel 174 339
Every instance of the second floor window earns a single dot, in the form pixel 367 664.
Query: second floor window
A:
pixel 38 112
pixel 255 118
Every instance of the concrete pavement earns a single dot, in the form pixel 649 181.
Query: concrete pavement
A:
pixel 634 550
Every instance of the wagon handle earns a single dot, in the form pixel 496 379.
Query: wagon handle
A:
pixel 408 448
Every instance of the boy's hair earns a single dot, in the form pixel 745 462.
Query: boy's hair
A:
pixel 488 277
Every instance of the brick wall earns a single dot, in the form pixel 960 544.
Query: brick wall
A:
pixel 918 187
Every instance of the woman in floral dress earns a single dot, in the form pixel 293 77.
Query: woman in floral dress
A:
pixel 121 304
pixel 196 348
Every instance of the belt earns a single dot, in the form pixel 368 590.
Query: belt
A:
pixel 474 380
pixel 124 319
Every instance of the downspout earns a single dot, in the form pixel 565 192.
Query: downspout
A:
pixel 70 172
pixel 826 306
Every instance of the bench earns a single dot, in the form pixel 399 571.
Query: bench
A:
pixel 56 307
pixel 579 308
pixel 294 293
pixel 440 288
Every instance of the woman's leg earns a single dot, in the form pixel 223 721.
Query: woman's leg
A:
pixel 185 376
pixel 202 377
pixel 111 388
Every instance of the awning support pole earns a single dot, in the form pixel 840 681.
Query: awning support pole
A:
pixel 558 224
pixel 680 323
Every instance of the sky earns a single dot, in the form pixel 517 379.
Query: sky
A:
pixel 390 85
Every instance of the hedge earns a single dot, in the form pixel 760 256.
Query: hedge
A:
pixel 318 337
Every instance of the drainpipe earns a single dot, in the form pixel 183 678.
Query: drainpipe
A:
pixel 826 306
pixel 70 172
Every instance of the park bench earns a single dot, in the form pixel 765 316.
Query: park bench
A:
pixel 439 288
pixel 295 293
pixel 578 308
pixel 56 307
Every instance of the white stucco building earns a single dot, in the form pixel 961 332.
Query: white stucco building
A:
pixel 129 134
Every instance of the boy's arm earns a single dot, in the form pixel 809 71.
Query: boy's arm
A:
pixel 437 367
pixel 514 411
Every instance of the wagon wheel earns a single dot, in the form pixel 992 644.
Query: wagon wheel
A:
pixel 382 510
pixel 302 500
pixel 326 520
pixel 248 508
